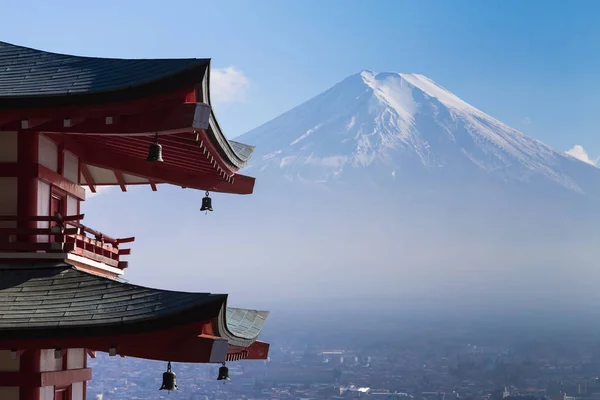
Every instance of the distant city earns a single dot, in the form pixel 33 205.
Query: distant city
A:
pixel 427 369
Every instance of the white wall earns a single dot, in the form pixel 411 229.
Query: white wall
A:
pixel 71 172
pixel 48 362
pixel 77 391
pixel 72 205
pixel 47 393
pixel 76 358
pixel 8 146
pixel 71 167
pixel 43 208
pixel 48 153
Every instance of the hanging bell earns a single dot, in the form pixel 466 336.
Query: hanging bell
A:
pixel 169 379
pixel 155 151
pixel 206 203
pixel 223 373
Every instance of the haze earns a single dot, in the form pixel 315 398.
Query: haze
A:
pixel 451 247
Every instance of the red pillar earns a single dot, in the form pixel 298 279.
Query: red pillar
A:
pixel 85 365
pixel 27 183
pixel 30 362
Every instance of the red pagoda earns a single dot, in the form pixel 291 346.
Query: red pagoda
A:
pixel 67 122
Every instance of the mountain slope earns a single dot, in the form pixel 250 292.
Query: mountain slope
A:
pixel 388 125
pixel 388 185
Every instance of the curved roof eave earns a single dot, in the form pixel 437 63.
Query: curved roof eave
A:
pixel 237 153
pixel 241 327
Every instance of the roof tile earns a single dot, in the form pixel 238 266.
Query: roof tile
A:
pixel 61 295
pixel 29 72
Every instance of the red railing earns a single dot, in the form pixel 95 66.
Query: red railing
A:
pixel 65 234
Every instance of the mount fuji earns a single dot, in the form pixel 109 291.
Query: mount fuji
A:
pixel 389 185
pixel 388 194
pixel 383 128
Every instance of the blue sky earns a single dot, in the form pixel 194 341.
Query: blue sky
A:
pixel 532 64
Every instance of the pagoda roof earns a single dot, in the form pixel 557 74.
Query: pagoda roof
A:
pixel 26 72
pixel 56 300
pixel 107 111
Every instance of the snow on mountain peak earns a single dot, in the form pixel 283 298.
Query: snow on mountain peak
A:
pixel 388 121
pixel 393 90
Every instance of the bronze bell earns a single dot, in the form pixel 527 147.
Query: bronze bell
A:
pixel 155 151
pixel 223 373
pixel 206 203
pixel 169 379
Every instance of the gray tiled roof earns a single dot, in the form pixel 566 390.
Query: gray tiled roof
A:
pixel 28 72
pixel 63 298
pixel 244 151
pixel 244 323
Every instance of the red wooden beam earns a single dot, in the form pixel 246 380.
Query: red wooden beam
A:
pixel 36 231
pixel 120 180
pixel 59 181
pixel 47 247
pixel 65 378
pixel 180 117
pixel 27 183
pixel 212 150
pixel 98 110
pixel 101 184
pixel 61 160
pixel 41 379
pixel 97 235
pixel 241 355
pixel 185 149
pixel 44 174
pixel 30 123
pixel 90 254
pixel 8 170
pixel 71 122
pixel 68 218
pixel 87 176
pixel 178 344
pixel 153 186
pixel 193 160
pixel 104 157
pixel 191 97
pixel 6 119
pixel 113 119
pixel 258 351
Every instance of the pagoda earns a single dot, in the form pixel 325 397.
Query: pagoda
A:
pixel 70 122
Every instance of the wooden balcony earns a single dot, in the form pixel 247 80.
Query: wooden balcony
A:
pixel 64 237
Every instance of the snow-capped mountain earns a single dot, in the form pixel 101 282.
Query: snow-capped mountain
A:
pixel 385 125
pixel 388 183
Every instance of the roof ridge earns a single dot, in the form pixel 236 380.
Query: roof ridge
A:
pixel 133 285
pixel 98 57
